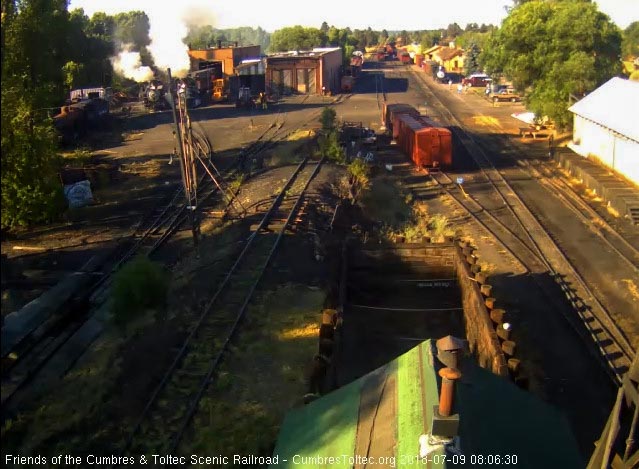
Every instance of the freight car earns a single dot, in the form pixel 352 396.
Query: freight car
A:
pixel 424 141
pixel 426 144
pixel 76 119
pixel 391 112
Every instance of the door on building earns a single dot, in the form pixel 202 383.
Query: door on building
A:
pixel 306 80
pixel 287 81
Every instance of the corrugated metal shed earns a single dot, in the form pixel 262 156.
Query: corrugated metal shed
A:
pixel 384 413
pixel 613 105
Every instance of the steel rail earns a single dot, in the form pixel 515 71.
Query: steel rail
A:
pixel 205 313
pixel 240 315
pixel 607 322
pixel 601 355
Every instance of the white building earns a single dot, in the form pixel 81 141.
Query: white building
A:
pixel 606 126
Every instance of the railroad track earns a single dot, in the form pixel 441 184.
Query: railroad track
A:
pixel 613 345
pixel 153 230
pixel 48 348
pixel 175 400
pixel 548 178
pixel 538 169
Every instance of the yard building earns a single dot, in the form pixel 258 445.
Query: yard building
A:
pixel 606 127
pixel 305 72
pixel 391 416
pixel 223 59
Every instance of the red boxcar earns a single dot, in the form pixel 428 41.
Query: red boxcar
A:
pixel 426 145
pixel 390 113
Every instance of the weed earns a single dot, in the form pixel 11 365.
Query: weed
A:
pixel 328 119
pixel 78 158
pixel 139 285
pixel 236 183
pixel 360 177
pixel 330 147
pixel 439 225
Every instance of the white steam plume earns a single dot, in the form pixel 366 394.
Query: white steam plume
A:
pixel 129 64
pixel 168 27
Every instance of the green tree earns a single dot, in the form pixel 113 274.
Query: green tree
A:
pixel 140 285
pixel 428 39
pixel 132 27
pixel 31 80
pixel 453 30
pixel 73 73
pixel 471 64
pixel 90 44
pixel 553 49
pixel 328 119
pixel 296 38
pixel 630 44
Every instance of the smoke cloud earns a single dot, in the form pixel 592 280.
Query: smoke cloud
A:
pixel 128 63
pixel 169 25
pixel 168 30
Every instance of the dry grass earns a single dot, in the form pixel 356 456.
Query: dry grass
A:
pixel 292 149
pixel 487 267
pixel 263 378
pixel 386 202
pixel 65 408
pixel 632 288
pixel 612 211
pixel 131 136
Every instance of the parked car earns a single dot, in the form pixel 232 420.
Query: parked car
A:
pixel 505 95
pixel 477 80
pixel 451 76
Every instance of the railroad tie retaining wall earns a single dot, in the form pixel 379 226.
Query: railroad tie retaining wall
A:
pixel 480 332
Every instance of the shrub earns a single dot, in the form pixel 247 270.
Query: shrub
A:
pixel 439 225
pixel 360 178
pixel 330 147
pixel 139 286
pixel 327 119
pixel 31 191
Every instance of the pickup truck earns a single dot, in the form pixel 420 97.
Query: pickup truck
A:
pixel 505 95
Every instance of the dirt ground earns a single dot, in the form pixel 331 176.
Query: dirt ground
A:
pixel 121 369
pixel 91 408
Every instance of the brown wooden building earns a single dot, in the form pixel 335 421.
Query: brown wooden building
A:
pixel 304 72
pixel 223 59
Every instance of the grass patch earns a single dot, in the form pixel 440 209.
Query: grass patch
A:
pixel 632 288
pixel 292 150
pixel 77 158
pixel 386 202
pixel 139 286
pixel 57 422
pixel 267 375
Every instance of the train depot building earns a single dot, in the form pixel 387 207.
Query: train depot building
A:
pixel 223 59
pixel 606 126
pixel 304 72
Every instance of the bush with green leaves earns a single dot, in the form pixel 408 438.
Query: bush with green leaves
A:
pixel 360 178
pixel 438 225
pixel 140 285
pixel 31 190
pixel 328 119
pixel 330 147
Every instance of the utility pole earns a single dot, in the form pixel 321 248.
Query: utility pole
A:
pixel 184 170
